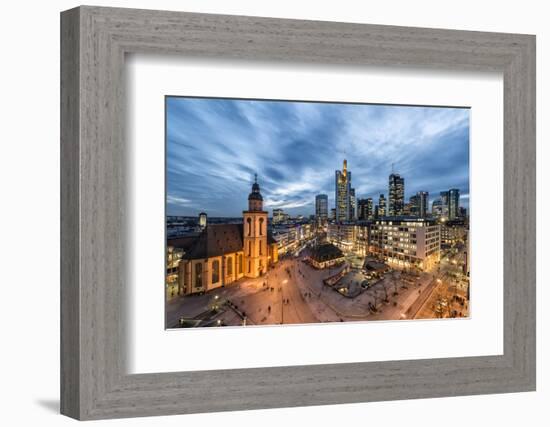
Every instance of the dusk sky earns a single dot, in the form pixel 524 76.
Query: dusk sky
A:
pixel 215 146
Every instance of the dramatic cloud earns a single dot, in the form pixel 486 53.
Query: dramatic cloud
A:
pixel 214 147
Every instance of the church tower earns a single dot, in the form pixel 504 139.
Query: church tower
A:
pixel 255 234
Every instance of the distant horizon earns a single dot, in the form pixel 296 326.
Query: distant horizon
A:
pixel 215 146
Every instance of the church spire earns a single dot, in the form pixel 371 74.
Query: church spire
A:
pixel 255 199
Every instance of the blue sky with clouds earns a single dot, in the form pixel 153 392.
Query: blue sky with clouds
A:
pixel 214 147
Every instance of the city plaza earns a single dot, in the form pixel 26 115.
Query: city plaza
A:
pixel 389 261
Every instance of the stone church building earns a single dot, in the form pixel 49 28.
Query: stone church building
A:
pixel 224 253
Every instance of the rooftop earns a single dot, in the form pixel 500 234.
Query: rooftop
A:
pixel 404 218
pixel 326 252
pixel 219 239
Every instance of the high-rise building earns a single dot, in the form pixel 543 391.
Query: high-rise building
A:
pixel 370 208
pixel 353 204
pixel 382 206
pixel 419 204
pixel 396 192
pixel 450 203
pixel 321 209
pixel 454 203
pixel 437 208
pixel 361 209
pixel 413 208
pixel 333 214
pixel 343 194
pixel 444 195
pixel 365 209
pixel 423 207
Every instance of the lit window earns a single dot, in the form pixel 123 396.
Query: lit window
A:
pixel 216 271
pixel 229 266
pixel 198 275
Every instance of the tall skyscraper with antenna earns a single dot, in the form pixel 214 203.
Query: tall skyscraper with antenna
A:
pixel 344 194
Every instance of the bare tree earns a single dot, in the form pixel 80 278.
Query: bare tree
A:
pixel 385 292
pixel 376 299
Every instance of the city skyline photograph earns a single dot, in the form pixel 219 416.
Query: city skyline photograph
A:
pixel 291 212
pixel 216 146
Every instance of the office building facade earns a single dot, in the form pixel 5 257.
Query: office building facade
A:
pixel 419 204
pixel 365 209
pixel 396 195
pixel 321 209
pixel 343 194
pixel 406 242
pixel 382 207
pixel 454 203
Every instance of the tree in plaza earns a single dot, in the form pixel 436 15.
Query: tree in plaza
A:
pixel 386 299
pixel 394 283
pixel 376 299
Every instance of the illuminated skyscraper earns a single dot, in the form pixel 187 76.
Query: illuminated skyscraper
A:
pixel 454 204
pixel 437 208
pixel 396 195
pixel 382 206
pixel 365 209
pixel 413 205
pixel 321 208
pixel 353 204
pixel 343 194
pixel 444 196
pixel 419 204
pixel 370 208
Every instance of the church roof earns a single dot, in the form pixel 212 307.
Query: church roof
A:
pixel 326 252
pixel 219 239
pixel 182 242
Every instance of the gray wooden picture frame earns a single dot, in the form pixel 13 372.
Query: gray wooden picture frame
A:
pixel 94 41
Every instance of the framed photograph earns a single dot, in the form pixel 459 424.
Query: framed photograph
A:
pixel 282 213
